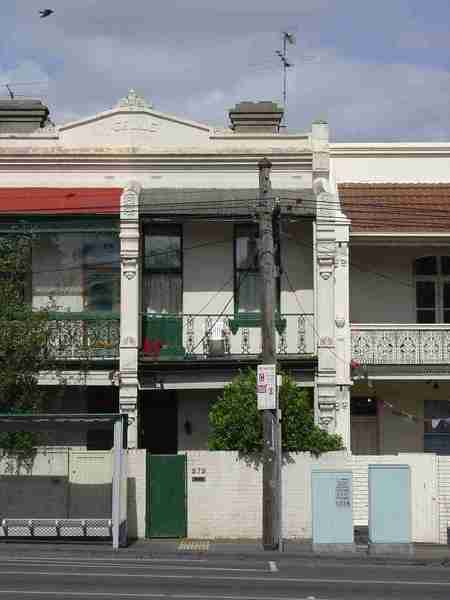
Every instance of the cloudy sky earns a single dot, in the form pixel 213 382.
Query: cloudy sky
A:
pixel 375 70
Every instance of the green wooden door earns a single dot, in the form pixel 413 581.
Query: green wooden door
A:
pixel 166 496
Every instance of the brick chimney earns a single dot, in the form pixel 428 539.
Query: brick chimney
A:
pixel 22 116
pixel 256 117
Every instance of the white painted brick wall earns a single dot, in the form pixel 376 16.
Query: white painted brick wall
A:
pixel 137 493
pixel 444 496
pixel 228 503
pixel 297 507
pixel 424 491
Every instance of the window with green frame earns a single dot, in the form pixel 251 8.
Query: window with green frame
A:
pixel 247 283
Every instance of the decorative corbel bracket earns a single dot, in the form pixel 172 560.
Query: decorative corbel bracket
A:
pixel 327 412
pixel 129 267
pixel 326 257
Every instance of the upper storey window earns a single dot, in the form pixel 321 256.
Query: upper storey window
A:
pixel 163 275
pixel 246 274
pixel 432 274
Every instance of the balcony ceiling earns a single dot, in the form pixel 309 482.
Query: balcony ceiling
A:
pixel 234 203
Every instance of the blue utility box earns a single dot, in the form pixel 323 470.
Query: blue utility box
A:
pixel 390 509
pixel 332 511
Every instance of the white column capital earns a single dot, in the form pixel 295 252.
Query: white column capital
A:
pixel 129 201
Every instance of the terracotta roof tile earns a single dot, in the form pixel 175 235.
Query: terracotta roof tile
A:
pixel 59 200
pixel 396 207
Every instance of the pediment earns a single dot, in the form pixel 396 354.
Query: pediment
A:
pixel 133 122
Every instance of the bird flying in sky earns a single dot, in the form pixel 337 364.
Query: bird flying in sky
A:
pixel 46 12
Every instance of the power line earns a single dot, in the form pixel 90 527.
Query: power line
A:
pixel 302 311
pixel 199 312
pixel 118 262
pixel 395 212
pixel 366 208
pixel 356 265
pixel 395 411
pixel 224 285
pixel 222 313
pixel 114 262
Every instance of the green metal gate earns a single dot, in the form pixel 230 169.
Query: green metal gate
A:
pixel 166 496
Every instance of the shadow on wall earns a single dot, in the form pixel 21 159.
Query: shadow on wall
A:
pixel 33 497
pixel 53 497
pixel 90 501
pixel 256 460
pixel 132 511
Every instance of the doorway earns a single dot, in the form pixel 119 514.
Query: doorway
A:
pixel 364 426
pixel 158 422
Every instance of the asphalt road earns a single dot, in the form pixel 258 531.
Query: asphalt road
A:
pixel 213 578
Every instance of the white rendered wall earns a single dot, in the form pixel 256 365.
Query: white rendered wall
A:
pixel 391 163
pixel 111 173
pixel 137 128
pixel 297 261
pixel 207 267
pixel 382 285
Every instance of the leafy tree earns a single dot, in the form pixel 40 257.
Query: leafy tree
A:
pixel 23 343
pixel 236 423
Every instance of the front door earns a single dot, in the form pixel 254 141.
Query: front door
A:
pixel 364 434
pixel 166 496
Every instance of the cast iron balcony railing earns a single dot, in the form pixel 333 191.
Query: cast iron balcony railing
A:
pixel 192 336
pixel 84 336
pixel 401 344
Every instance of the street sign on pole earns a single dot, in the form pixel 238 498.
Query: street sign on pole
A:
pixel 267 387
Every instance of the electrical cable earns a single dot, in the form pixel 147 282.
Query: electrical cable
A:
pixel 359 267
pixel 366 207
pixel 116 262
pixel 221 314
pixel 395 411
pixel 302 311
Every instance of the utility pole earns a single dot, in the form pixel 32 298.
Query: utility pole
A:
pixel 271 505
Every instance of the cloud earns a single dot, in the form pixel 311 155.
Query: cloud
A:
pixel 198 58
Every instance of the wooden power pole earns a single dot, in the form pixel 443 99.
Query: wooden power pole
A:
pixel 271 536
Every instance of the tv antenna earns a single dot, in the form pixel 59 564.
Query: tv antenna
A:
pixel 288 38
pixel 12 84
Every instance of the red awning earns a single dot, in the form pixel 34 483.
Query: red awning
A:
pixel 66 201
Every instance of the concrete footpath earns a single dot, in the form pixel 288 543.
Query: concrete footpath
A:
pixel 424 554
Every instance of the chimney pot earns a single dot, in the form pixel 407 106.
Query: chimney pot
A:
pixel 22 115
pixel 256 117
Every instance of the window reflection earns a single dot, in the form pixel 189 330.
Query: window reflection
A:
pixel 76 271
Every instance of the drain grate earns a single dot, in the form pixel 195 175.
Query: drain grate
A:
pixel 194 546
